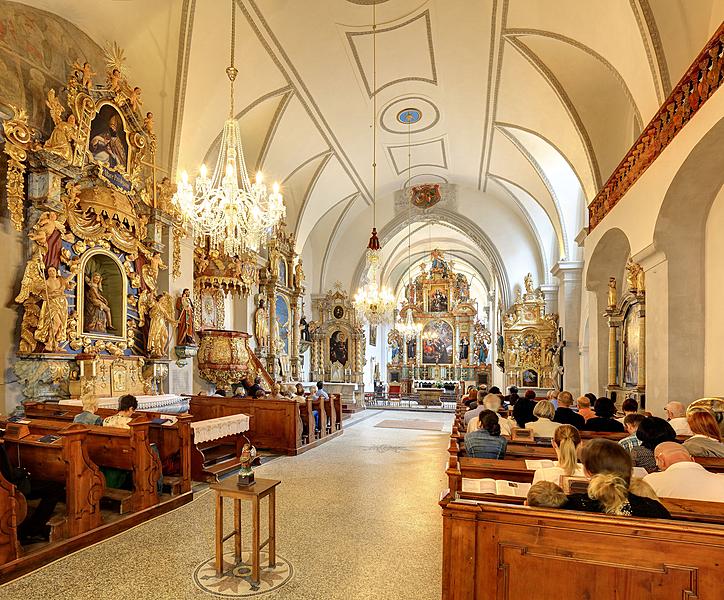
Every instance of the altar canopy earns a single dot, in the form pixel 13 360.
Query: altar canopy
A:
pixel 450 344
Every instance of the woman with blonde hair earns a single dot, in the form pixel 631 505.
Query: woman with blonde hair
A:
pixel 566 441
pixel 610 490
pixel 706 439
pixel 544 426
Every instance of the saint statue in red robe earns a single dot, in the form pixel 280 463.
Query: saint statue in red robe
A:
pixel 185 327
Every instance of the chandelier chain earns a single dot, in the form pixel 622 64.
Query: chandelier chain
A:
pixel 374 115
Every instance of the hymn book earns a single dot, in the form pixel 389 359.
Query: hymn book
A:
pixel 534 465
pixel 495 486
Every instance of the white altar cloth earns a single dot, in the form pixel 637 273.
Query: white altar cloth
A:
pixel 152 403
pixel 213 429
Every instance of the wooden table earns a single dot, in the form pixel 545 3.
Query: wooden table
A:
pixel 255 492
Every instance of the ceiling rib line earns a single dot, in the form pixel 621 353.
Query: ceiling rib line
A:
pixel 536 62
pixel 517 32
pixel 651 39
pixel 273 127
pixel 403 240
pixel 312 184
pixel 533 228
pixel 213 147
pixel 544 179
pixel 559 236
pixel 491 99
pixel 303 164
pixel 277 53
pixel 351 199
pixel 463 224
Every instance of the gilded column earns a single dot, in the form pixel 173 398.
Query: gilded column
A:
pixel 642 348
pixel 611 355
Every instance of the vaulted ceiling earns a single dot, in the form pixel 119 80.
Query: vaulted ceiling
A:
pixel 526 107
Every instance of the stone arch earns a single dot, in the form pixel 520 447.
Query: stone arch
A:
pixel 680 234
pixel 608 259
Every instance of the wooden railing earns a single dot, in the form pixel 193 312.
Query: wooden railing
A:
pixel 698 84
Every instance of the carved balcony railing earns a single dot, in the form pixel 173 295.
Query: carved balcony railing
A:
pixel 698 84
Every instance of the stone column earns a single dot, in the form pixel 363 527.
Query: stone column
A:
pixel 569 275
pixel 295 334
pixel 550 293
pixel 642 347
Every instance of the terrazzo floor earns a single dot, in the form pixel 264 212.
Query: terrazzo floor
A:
pixel 357 518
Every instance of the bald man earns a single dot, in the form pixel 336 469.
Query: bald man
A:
pixel 676 414
pixel 681 477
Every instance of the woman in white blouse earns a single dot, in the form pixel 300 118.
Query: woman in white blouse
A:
pixel 566 441
pixel 544 426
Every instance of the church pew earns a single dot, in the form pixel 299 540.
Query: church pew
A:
pixel 126 449
pixel 173 441
pixel 490 551
pixel 13 510
pixel 306 413
pixel 65 462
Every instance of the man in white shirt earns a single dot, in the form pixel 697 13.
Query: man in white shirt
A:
pixel 676 414
pixel 490 402
pixel 681 477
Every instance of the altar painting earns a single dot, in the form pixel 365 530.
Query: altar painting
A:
pixel 282 320
pixel 108 144
pixel 338 348
pixel 438 300
pixel 102 308
pixel 631 348
pixel 437 343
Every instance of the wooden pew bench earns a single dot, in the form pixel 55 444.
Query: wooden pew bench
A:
pixel 65 462
pixel 491 551
pixel 13 510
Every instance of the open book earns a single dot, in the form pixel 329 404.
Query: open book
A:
pixel 545 463
pixel 495 486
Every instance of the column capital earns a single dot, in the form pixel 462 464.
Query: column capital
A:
pixel 649 257
pixel 568 270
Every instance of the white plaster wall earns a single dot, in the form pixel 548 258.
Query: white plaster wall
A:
pixel 10 275
pixel 713 287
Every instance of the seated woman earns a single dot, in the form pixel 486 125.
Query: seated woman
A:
pixel 610 491
pixel 485 442
pixel 652 431
pixel 88 416
pixel 605 410
pixel 471 399
pixel 126 406
pixel 706 440
pixel 546 494
pixel 544 426
pixel 566 441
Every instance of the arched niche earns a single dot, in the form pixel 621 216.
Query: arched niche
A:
pixel 680 233
pixel 102 297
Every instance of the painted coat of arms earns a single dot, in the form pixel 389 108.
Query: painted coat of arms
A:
pixel 426 195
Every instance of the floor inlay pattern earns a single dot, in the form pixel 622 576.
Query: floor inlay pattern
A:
pixel 236 580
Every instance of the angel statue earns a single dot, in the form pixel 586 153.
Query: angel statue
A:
pixel 161 316
pixel 64 132
pixel 53 321
pixel 261 325
pixel 150 271
pixel 44 235
pixel 97 310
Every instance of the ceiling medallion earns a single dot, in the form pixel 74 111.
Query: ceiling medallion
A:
pixel 366 2
pixel 409 116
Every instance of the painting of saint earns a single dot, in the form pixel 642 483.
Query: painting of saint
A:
pixel 530 378
pixel 437 343
pixel 97 309
pixel 108 144
pixel 438 302
pixel 282 318
pixel 631 349
pixel 411 349
pixel 338 348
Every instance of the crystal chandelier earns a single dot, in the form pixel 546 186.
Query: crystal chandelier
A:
pixel 227 210
pixel 374 303
pixel 408 328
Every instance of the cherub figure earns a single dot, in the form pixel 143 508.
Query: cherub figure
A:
pixel 44 228
pixel 115 81
pixel 148 123
pixel 87 77
pixel 150 270
pixel 135 99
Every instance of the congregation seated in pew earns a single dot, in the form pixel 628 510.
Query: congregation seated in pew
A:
pixel 523 409
pixel 631 424
pixel 629 407
pixel 676 416
pixel 493 403
pixel 127 405
pixel 546 494
pixel 584 406
pixel 544 427
pixel 486 441
pixel 651 432
pixel 565 415
pixel 566 442
pixel 605 409
pixel 681 477
pixel 706 439
pixel 88 416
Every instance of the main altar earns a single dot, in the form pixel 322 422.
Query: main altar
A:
pixel 449 344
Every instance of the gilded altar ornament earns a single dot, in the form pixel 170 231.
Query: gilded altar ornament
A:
pixel 612 293
pixel 161 316
pixel 148 123
pixel 134 99
pixel 149 271
pixel 64 133
pixel 635 277
pixel 53 319
pixel 261 325
pixel 298 275
pixel 17 141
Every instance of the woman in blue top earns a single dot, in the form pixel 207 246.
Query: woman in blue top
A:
pixel 88 416
pixel 486 442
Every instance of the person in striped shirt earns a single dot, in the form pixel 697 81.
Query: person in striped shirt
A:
pixel 631 422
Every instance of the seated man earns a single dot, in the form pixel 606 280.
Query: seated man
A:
pixel 301 399
pixel 681 477
pixel 631 422
pixel 322 395
pixel 629 407
pixel 565 415
pixel 584 407
pixel 546 494
pixel 472 414
pixel 676 415
pixel 491 402
pixel 126 406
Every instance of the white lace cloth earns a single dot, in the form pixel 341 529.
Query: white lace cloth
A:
pixel 144 402
pixel 213 429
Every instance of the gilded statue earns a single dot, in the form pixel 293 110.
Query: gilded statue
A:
pixel 45 226
pixel 97 310
pixel 64 132
pixel 634 276
pixel 612 293
pixel 298 275
pixel 185 326
pixel 164 194
pixel 115 81
pixel 134 99
pixel 148 124
pixel 53 320
pixel 261 325
pixel 149 271
pixel 161 315
pixel 528 280
pixel 33 278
